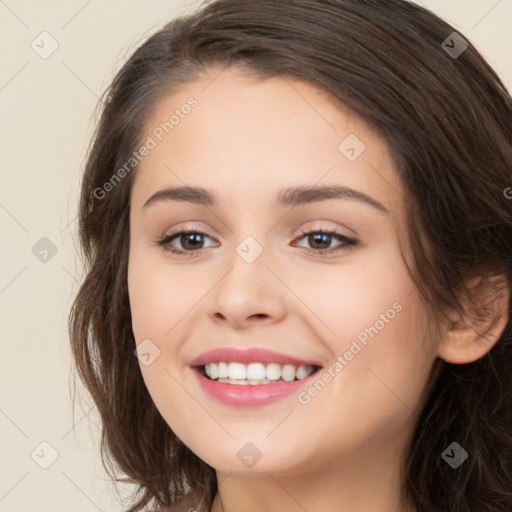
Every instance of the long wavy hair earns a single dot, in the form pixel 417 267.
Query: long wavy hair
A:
pixel 447 120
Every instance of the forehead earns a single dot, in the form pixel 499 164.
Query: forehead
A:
pixel 245 137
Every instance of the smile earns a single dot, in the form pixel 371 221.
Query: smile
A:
pixel 251 377
pixel 256 373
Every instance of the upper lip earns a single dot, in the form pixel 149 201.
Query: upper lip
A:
pixel 248 355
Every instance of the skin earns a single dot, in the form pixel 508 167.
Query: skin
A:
pixel 245 140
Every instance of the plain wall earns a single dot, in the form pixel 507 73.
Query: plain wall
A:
pixel 46 112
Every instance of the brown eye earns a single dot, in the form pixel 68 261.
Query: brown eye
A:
pixel 320 240
pixel 190 241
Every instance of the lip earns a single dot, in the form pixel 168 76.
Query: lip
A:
pixel 239 395
pixel 249 395
pixel 247 356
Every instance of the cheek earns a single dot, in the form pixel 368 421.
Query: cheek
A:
pixel 156 308
pixel 374 390
pixel 386 361
pixel 160 296
pixel 378 325
pixel 365 292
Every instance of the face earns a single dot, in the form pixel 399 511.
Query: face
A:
pixel 259 279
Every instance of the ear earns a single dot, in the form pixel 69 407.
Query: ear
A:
pixel 486 313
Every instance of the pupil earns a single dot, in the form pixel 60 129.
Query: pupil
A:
pixel 316 238
pixel 193 236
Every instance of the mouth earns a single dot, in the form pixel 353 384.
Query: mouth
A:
pixel 256 373
pixel 251 377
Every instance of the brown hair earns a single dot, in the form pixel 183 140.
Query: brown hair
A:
pixel 448 124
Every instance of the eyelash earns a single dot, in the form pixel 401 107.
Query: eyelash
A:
pixel 348 243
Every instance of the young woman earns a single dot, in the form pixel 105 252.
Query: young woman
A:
pixel 296 217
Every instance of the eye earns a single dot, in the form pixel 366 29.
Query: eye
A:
pixel 191 241
pixel 323 238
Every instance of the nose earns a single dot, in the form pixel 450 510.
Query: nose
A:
pixel 249 294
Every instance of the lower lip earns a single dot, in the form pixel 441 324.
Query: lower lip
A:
pixel 249 395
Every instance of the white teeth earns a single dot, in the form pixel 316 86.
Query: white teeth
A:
pixel 273 371
pixel 244 382
pixel 303 371
pixel 237 371
pixel 288 372
pixel 223 371
pixel 256 373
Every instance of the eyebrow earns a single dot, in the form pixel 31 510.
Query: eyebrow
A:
pixel 286 197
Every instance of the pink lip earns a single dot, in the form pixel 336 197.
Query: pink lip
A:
pixel 248 395
pixel 247 356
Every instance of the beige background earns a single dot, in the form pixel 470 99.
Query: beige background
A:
pixel 46 112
